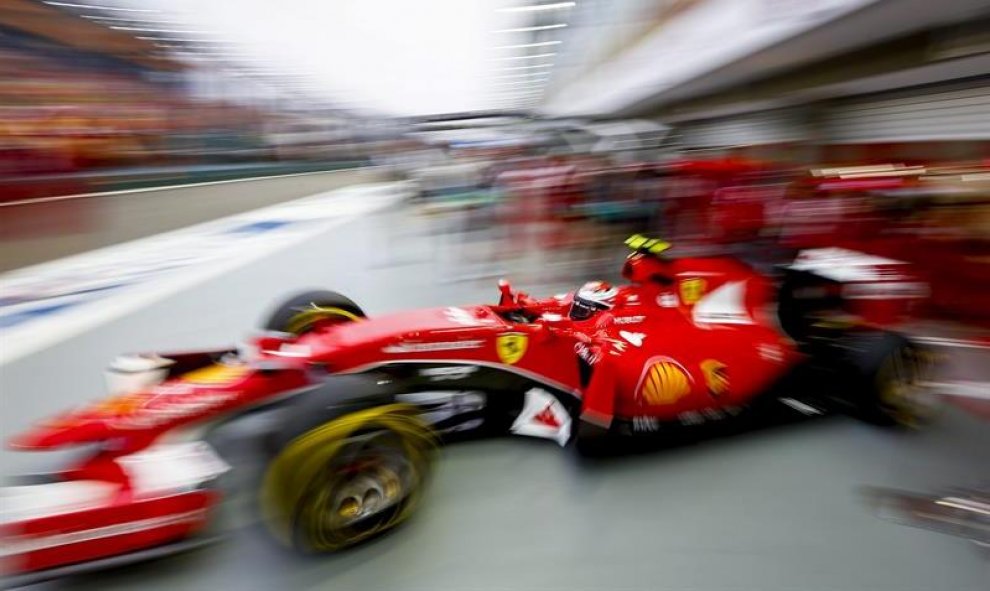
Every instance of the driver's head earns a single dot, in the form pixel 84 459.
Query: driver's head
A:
pixel 592 298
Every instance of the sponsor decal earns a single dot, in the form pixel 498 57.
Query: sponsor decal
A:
pixel 618 345
pixel 707 415
pixel 770 352
pixel 216 375
pixel 159 411
pixel 692 290
pixel 543 416
pixel 441 406
pixel 634 338
pixel 645 424
pixel 664 382
pixel 292 350
pixel 629 319
pixel 511 346
pixel 407 347
pixel 454 372
pixel 885 289
pixel 667 300
pixel 716 376
pixel 591 355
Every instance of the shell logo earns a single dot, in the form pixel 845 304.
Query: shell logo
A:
pixel 664 382
pixel 716 376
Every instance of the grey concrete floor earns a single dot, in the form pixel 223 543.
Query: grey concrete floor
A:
pixel 771 510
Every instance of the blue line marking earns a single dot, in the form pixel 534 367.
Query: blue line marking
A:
pixel 258 227
pixel 11 320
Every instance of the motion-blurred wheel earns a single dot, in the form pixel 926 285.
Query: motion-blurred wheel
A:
pixel 349 479
pixel 898 391
pixel 304 312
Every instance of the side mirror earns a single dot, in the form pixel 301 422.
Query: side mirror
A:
pixel 506 297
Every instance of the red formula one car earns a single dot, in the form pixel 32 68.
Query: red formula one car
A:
pixel 687 343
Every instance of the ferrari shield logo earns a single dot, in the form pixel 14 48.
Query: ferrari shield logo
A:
pixel 692 290
pixel 511 346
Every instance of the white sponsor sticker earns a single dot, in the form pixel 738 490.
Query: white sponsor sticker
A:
pixel 883 290
pixel 592 356
pixel 406 347
pixel 770 352
pixel 645 424
pixel 629 319
pixel 454 372
pixel 634 338
pixel 156 412
pixel 543 416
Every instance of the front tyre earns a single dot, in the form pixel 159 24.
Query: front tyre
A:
pixel 349 479
pixel 305 311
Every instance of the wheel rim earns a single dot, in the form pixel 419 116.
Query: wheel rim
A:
pixel 363 492
pixel 904 392
pixel 348 479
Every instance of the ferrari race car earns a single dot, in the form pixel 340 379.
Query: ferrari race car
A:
pixel 363 401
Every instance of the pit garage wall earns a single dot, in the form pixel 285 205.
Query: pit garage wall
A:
pixel 950 121
pixel 947 122
pixel 770 135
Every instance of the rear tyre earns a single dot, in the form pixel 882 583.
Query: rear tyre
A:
pixel 348 480
pixel 302 312
pixel 894 382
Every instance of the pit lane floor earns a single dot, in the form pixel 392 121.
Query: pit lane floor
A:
pixel 771 510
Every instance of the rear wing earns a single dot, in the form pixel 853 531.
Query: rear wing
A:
pixel 832 282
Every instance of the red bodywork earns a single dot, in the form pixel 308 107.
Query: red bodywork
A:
pixel 686 338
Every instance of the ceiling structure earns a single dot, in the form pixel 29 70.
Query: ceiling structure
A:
pixel 391 57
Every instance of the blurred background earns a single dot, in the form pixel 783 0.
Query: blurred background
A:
pixel 530 137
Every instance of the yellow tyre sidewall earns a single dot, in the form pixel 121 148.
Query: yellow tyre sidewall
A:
pixel 306 318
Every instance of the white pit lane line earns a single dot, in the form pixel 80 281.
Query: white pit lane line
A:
pixel 44 304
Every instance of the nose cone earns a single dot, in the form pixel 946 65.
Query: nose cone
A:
pixel 60 432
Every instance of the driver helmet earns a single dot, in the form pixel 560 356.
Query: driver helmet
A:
pixel 593 297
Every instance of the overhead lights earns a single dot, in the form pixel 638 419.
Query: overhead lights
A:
pixel 181 39
pixel 537 66
pixel 522 76
pixel 518 93
pixel 96 7
pixel 536 28
pixel 537 81
pixel 146 30
pixel 523 45
pixel 540 7
pixel 129 19
pixel 527 57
